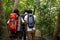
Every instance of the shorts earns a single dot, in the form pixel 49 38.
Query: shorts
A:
pixel 30 29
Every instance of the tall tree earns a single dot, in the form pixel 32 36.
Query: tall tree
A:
pixel 15 6
pixel 13 2
pixel 5 32
pixel 57 28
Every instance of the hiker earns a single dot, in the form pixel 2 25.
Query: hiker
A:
pixel 15 25
pixel 24 24
pixel 30 21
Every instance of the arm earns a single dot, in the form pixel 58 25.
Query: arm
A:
pixel 8 21
pixel 34 18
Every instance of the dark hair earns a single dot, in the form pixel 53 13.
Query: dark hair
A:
pixel 16 11
pixel 30 11
pixel 25 10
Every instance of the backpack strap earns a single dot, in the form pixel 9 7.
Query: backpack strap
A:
pixel 23 15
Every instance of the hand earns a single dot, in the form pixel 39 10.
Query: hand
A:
pixel 24 22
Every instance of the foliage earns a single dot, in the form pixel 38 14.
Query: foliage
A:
pixel 45 11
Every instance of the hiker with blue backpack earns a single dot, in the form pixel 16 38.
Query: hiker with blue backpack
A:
pixel 30 22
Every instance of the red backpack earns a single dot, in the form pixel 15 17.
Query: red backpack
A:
pixel 13 23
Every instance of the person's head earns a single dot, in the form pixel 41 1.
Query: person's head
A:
pixel 16 11
pixel 29 11
pixel 26 11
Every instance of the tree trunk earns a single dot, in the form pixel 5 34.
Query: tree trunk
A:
pixel 4 30
pixel 13 2
pixel 34 9
pixel 15 6
pixel 57 28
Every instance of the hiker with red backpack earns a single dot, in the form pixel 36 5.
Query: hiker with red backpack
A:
pixel 15 27
pixel 30 22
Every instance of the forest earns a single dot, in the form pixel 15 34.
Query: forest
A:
pixel 47 17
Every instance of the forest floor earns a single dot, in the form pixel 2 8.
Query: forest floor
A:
pixel 37 36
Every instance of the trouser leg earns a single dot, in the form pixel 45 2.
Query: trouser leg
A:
pixel 11 35
pixel 24 35
pixel 33 34
pixel 29 35
pixel 20 35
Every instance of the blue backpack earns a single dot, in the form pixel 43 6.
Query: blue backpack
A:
pixel 30 21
